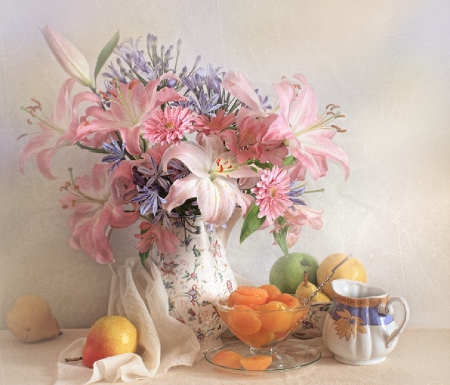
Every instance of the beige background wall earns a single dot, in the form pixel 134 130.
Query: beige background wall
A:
pixel 386 63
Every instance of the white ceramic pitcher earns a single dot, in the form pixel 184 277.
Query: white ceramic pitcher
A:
pixel 196 275
pixel 360 328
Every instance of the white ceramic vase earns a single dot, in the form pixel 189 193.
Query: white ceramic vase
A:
pixel 196 275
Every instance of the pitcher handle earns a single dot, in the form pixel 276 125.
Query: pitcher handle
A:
pixel 389 309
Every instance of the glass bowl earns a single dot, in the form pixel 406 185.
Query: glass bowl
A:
pixel 263 327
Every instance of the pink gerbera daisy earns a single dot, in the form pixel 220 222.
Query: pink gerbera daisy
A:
pixel 272 193
pixel 168 125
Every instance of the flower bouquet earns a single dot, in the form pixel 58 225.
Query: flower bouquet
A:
pixel 174 144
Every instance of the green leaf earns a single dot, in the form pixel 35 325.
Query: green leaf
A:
pixel 91 149
pixel 251 223
pixel 289 160
pixel 280 238
pixel 106 53
pixel 143 257
pixel 263 165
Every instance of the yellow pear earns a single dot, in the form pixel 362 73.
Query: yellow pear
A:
pixel 109 336
pixel 31 319
pixel 306 288
pixel 320 297
pixel 352 269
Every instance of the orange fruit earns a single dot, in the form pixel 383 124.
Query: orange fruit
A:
pixel 272 290
pixel 262 338
pixel 289 300
pixel 227 358
pixel 237 298
pixel 243 320
pixel 256 362
pixel 275 319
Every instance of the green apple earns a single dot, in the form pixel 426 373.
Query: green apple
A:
pixel 287 271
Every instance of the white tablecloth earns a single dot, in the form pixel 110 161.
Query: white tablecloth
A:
pixel 422 356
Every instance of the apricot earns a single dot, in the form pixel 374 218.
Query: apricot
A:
pixel 280 335
pixel 237 298
pixel 261 339
pixel 288 299
pixel 252 290
pixel 272 290
pixel 256 362
pixel 227 358
pixel 243 320
pixel 274 319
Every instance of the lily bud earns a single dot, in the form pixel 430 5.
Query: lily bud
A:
pixel 69 57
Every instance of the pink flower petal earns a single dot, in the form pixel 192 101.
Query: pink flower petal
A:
pixel 68 56
pixel 181 190
pixel 237 85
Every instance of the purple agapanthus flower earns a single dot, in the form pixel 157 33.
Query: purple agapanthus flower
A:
pixel 205 105
pixel 165 217
pixel 141 65
pixel 155 174
pixel 264 100
pixel 177 169
pixel 116 153
pixel 152 185
pixel 148 199
pixel 295 193
pixel 212 77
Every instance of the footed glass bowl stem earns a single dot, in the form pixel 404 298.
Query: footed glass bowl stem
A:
pixel 279 360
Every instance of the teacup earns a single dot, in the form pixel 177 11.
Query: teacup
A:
pixel 312 324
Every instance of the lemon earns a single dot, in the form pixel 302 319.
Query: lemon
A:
pixel 352 269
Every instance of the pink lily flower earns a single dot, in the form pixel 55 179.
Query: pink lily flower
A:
pixel 308 137
pixel 69 57
pixel 247 142
pixel 164 239
pixel 131 105
pixel 296 217
pixel 215 124
pixel 237 85
pixel 97 207
pixel 213 179
pixel 57 130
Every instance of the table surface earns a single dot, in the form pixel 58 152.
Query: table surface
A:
pixel 422 356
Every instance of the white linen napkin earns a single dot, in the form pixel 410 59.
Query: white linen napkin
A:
pixel 137 293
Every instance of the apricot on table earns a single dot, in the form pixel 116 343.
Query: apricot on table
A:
pixel 256 362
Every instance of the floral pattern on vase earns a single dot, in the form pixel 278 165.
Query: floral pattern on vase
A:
pixel 196 275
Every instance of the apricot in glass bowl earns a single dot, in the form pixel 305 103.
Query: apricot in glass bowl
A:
pixel 262 320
